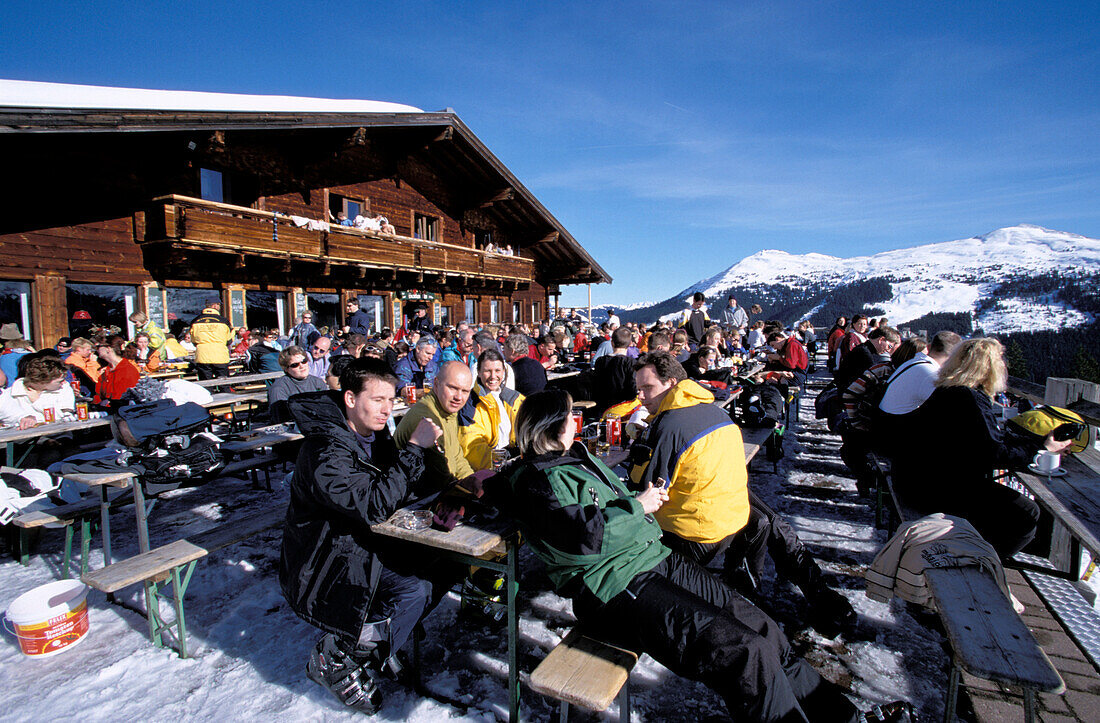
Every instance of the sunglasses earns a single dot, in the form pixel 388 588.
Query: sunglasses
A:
pixel 295 365
pixel 317 348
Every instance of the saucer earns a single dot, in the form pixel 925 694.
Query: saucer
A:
pixel 1059 472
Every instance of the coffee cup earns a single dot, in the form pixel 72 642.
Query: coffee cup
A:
pixel 1047 462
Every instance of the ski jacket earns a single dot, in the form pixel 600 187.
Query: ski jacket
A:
pixel 210 333
pixel 329 569
pixel 479 425
pixel 699 450
pixel 582 522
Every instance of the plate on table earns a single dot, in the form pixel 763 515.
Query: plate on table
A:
pixel 1059 472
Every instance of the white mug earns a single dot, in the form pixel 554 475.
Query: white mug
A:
pixel 1047 462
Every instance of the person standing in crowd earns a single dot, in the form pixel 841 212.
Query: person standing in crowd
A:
pixel 487 421
pixel 602 547
pixel 319 357
pixel 211 333
pixel 120 374
pixel 358 321
pixel 366 593
pixel 832 341
pixel 144 325
pixel 445 461
pixel 734 316
pixel 420 321
pixel 955 442
pixel 695 319
pixel 303 334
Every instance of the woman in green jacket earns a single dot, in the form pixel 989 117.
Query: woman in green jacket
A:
pixel 602 547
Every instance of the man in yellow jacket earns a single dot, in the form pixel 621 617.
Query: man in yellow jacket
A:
pixel 211 334
pixel 488 420
pixel 696 448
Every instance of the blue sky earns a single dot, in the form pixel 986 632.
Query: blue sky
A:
pixel 671 138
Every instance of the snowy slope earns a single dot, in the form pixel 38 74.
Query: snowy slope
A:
pixel 942 277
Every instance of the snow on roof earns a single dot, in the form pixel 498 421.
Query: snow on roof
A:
pixel 33 94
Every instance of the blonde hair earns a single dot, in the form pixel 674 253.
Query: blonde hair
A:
pixel 975 363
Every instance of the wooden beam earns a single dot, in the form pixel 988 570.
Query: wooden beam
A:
pixel 549 238
pixel 505 194
pixel 445 135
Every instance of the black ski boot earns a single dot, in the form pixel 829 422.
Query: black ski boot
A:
pixel 350 679
pixel 897 712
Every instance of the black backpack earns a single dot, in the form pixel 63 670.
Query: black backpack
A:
pixel 167 448
pixel 761 405
pixel 146 425
pixel 174 466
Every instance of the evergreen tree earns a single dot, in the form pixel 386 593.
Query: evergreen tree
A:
pixel 1016 360
pixel 1085 366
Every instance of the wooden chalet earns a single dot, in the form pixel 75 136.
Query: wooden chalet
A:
pixel 115 209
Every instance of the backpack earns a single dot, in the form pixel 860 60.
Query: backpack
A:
pixel 827 403
pixel 1037 423
pixel 181 462
pixel 147 424
pixel 862 398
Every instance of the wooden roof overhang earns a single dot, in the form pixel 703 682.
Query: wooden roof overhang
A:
pixel 435 152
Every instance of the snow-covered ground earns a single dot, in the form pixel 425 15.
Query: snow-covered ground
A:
pixel 250 650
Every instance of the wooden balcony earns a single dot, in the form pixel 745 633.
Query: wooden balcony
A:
pixel 184 223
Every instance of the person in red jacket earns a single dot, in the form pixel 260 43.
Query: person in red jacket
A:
pixel 789 356
pixel 833 340
pixel 120 374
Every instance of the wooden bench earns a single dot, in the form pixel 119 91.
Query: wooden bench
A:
pixel 988 638
pixel 585 672
pixel 83 511
pixel 175 562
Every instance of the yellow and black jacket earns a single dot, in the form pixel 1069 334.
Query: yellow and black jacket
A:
pixel 698 449
pixel 479 424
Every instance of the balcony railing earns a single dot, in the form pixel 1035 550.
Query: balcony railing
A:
pixel 224 227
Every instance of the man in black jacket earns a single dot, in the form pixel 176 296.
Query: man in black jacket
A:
pixel 365 591
pixel 880 344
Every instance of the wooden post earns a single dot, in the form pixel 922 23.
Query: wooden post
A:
pixel 49 310
pixel 1061 392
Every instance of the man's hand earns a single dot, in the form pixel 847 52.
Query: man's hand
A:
pixel 425 434
pixel 1050 444
pixel 652 497
pixel 28 421
pixel 475 483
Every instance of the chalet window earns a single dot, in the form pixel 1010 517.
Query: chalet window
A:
pixel 470 311
pixel 106 303
pixel 373 307
pixel 494 311
pixel 536 312
pixel 345 204
pixel 517 312
pixel 15 305
pixel 213 186
pixel 185 304
pixel 326 309
pixel 445 315
pixel 426 227
pixel 266 310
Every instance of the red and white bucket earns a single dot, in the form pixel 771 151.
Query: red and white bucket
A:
pixel 50 618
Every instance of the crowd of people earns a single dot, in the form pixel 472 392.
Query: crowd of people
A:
pixel 663 555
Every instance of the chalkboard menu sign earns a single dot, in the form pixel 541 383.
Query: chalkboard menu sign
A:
pixel 300 304
pixel 396 313
pixel 154 302
pixel 236 307
pixel 436 315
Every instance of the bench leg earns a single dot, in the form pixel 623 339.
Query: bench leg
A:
pixel 563 712
pixel 1029 705
pixel 85 544
pixel 512 581
pixel 23 547
pixel 181 622
pixel 157 624
pixel 624 702
pixel 66 559
pixel 952 694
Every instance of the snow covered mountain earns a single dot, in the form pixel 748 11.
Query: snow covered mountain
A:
pixel 1012 279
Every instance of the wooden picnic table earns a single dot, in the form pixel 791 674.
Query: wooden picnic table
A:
pixel 479 545
pixel 1074 501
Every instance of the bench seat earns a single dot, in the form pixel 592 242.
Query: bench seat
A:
pixel 585 672
pixel 175 562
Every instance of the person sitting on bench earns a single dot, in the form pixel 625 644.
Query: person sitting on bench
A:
pixel 602 547
pixel 366 593
pixel 711 512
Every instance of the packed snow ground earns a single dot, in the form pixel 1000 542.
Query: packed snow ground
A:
pixel 250 650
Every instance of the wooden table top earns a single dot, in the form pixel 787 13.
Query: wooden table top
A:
pixel 464 538
pixel 1073 498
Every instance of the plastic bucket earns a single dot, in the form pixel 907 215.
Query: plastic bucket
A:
pixel 50 618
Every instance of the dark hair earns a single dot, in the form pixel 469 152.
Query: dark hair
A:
pixel 659 337
pixel 891 334
pixel 698 296
pixel 621 338
pixel 489 355
pixel 356 340
pixel 663 363
pixel 540 420
pixel 907 350
pixel 360 371
pixel 943 342
pixel 339 364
